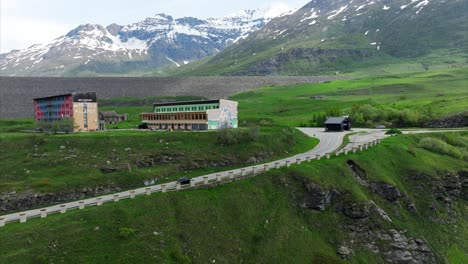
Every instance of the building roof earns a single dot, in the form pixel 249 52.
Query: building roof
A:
pixel 335 120
pixel 52 96
pixel 76 95
pixel 108 113
pixel 187 103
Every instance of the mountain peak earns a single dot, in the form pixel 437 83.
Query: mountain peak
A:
pixel 276 10
pixel 155 42
pixel 162 17
pixel 85 28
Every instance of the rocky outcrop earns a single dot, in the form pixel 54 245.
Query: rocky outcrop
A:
pixel 451 187
pixel 453 121
pixel 364 223
pixel 357 210
pixel 317 198
pixel 464 179
pixel 312 57
pixel 396 246
pixel 308 195
pixel 358 173
pixel 387 191
pixel 13 201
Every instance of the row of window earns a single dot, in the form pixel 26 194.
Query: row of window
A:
pixel 55 106
pixel 178 126
pixel 181 109
pixel 53 113
pixel 54 99
pixel 176 117
pixel 48 119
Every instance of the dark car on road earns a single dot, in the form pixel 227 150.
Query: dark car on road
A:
pixel 183 181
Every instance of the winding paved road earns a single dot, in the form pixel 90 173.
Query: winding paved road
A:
pixel 329 143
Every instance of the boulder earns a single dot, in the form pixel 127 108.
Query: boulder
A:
pixel 387 191
pixel 345 252
pixel 356 210
pixel 316 197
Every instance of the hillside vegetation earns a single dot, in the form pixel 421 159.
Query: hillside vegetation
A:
pixel 408 100
pixel 39 169
pixel 277 217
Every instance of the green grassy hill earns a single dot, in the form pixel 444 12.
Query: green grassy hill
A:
pixel 415 99
pixel 271 218
pixel 46 169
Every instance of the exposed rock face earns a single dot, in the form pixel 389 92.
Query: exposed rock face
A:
pixel 11 202
pixel 308 195
pixel 317 198
pixel 345 252
pixel 395 245
pixel 357 210
pixel 464 178
pixel 458 120
pixel 358 173
pixel 365 225
pixel 315 57
pixel 387 191
pixel 407 249
pixel 451 187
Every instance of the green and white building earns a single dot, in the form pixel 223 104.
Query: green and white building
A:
pixel 192 115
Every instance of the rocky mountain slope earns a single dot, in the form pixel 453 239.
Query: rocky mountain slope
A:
pixel 150 44
pixel 338 35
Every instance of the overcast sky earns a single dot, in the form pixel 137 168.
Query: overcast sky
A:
pixel 27 22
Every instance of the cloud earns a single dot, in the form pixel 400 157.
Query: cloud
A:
pixel 8 4
pixel 19 32
pixel 275 9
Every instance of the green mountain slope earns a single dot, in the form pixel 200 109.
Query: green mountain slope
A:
pixel 275 217
pixel 343 36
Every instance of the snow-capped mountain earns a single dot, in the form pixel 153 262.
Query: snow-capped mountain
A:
pixel 329 36
pixel 145 46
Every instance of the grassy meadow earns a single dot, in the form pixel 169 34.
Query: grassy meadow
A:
pixel 436 93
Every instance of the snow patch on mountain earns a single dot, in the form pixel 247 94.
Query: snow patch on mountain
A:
pixel 95 43
pixel 335 13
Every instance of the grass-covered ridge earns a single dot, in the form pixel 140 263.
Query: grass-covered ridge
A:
pixel 405 99
pixel 52 163
pixel 257 220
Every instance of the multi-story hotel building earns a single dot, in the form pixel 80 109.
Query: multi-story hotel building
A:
pixel 193 115
pixel 82 108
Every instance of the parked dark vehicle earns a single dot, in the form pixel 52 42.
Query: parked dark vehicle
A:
pixel 184 181
pixel 143 126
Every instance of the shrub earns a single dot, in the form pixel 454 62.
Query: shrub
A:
pixel 439 146
pixel 126 232
pixel 394 131
pixel 456 140
pixel 412 151
pixel 253 133
pixel 370 115
pixel 236 136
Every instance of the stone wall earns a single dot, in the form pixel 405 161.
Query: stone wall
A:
pixel 16 93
